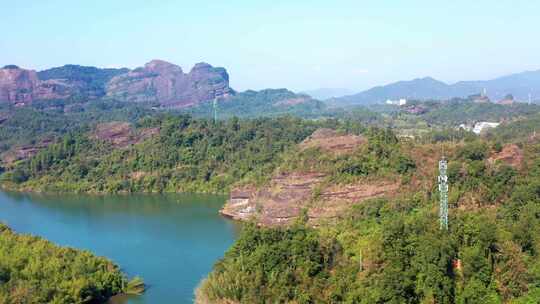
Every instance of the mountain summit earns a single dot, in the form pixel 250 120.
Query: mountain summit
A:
pixel 165 83
pixel 519 85
pixel 158 81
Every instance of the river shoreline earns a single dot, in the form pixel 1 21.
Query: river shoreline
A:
pixel 170 240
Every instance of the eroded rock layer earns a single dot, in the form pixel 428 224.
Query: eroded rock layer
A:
pixel 158 82
pixel 290 195
pixel 166 83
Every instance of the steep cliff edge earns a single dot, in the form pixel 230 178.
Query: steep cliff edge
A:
pixel 21 87
pixel 311 191
pixel 17 85
pixel 158 82
pixel 165 83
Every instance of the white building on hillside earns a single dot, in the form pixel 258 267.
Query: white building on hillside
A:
pixel 483 125
pixel 400 102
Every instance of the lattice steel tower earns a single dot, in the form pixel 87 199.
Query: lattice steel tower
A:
pixel 443 191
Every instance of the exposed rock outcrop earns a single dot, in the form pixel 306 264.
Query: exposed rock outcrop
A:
pixel 25 152
pixel 158 81
pixel 285 198
pixel 511 155
pixel 290 195
pixel 75 81
pixel 17 85
pixel 166 83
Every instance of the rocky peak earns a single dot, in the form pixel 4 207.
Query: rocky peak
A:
pixel 20 86
pixel 17 85
pixel 204 70
pixel 157 81
pixel 201 66
pixel 10 67
pixel 161 66
pixel 165 83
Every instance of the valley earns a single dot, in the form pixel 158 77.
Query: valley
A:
pixel 337 204
pixel 269 152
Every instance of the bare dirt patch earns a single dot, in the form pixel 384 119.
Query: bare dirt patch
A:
pixel 510 154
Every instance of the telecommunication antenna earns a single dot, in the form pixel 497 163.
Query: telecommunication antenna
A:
pixel 443 191
pixel 530 98
pixel 215 110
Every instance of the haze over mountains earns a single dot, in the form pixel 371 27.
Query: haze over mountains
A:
pixel 167 85
pixel 327 93
pixel 158 81
pixel 520 85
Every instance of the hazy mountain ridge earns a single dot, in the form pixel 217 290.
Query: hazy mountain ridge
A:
pixel 520 85
pixel 267 102
pixel 165 83
pixel 327 93
pixel 158 81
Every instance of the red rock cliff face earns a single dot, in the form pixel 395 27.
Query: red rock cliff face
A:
pixel 158 81
pixel 17 85
pixel 20 86
pixel 166 83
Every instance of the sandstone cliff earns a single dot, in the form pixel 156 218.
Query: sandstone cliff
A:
pixel 292 194
pixel 17 85
pixel 76 81
pixel 20 86
pixel 158 82
pixel 166 83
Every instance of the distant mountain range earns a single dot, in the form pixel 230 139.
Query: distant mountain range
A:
pixel 327 93
pixel 157 82
pixel 519 85
pixel 165 84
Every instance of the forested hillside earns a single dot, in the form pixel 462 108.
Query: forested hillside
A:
pixel 418 118
pixel 21 126
pixel 392 250
pixel 270 102
pixel 349 209
pixel 46 120
pixel 180 154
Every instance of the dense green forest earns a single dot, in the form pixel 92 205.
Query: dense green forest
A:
pixel 384 250
pixel 44 120
pixel 188 154
pixel 198 154
pixel 33 270
pixel 517 130
pixel 269 102
pixel 393 250
pixel 457 111
pixel 29 125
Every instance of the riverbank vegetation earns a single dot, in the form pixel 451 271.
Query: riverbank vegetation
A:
pixel 383 250
pixel 393 250
pixel 186 155
pixel 33 270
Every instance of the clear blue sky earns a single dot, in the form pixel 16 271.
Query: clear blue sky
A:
pixel 295 44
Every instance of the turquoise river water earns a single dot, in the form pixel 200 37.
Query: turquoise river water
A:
pixel 171 241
